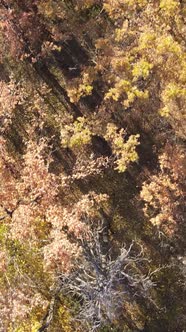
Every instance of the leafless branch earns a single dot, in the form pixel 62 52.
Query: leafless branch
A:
pixel 101 283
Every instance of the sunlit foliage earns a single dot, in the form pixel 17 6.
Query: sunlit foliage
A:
pixel 92 130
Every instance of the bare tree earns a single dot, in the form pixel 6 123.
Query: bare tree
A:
pixel 101 283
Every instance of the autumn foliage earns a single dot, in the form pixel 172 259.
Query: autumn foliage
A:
pixel 92 165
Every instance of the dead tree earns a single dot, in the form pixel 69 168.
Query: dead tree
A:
pixel 101 283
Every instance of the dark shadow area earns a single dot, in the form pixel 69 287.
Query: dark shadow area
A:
pixel 58 90
pixel 71 57
pixel 100 146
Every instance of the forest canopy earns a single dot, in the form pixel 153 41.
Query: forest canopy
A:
pixel 92 165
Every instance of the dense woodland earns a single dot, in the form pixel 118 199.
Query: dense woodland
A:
pixel 92 165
